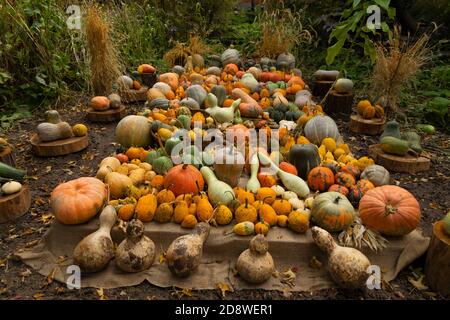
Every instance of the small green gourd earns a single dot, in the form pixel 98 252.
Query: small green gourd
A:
pixel 414 140
pixel 162 165
pixel 394 146
pixel 391 129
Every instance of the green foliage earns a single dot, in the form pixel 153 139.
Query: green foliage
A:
pixel 39 53
pixel 352 28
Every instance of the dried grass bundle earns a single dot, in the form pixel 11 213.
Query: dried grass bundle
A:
pixel 179 53
pixel 396 65
pixel 104 63
pixel 281 30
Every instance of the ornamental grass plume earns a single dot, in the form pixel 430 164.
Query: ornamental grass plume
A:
pixel 105 67
pixel 396 64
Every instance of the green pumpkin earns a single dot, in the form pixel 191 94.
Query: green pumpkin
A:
pixel 332 211
pixel 220 92
pixel 185 121
pixel 237 118
pixel 281 84
pixel 304 157
pixel 391 129
pixel 277 115
pixel 171 143
pixel 271 86
pixel 160 103
pixel 162 164
pixel 153 155
pixel 197 92
pixel 414 140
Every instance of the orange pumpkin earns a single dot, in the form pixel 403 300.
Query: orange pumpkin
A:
pixel 77 201
pixel 231 68
pixel 227 103
pixel 338 188
pixel 351 169
pixel 365 185
pixel 264 103
pixel 320 179
pixel 287 167
pixel 390 210
pixel 184 179
pixel 266 180
pixel 345 179
pixel 99 103
pixel 136 85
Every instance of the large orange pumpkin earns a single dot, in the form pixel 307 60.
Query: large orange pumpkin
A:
pixel 78 201
pixel 183 179
pixel 99 103
pixel 390 210
pixel 320 179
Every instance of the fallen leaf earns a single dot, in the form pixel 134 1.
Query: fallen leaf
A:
pixel 150 298
pixel 31 243
pixel 60 290
pixel 184 292
pixel 162 256
pixel 418 284
pixel 48 169
pixel 434 205
pixel 3 262
pixel 46 218
pixel 25 274
pixel 101 294
pixel 28 231
pixel 288 277
pixel 88 156
pixel 38 296
pixel 40 202
pixel 122 293
pixel 224 288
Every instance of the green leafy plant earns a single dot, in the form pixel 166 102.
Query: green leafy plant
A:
pixel 352 28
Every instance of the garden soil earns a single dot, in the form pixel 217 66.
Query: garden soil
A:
pixel 19 281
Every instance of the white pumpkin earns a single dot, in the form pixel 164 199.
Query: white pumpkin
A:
pixel 321 127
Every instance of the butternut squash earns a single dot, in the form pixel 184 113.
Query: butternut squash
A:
pixel 48 132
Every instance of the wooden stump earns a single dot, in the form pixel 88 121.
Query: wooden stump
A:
pixel 129 96
pixel 321 87
pixel 148 79
pixel 408 163
pixel 15 205
pixel 109 115
pixel 437 266
pixel 339 103
pixel 7 156
pixel 370 127
pixel 58 147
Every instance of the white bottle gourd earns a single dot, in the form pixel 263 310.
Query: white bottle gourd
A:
pixel 218 191
pixel 94 252
pixel 185 252
pixel 347 266
pixel 137 251
pixel 255 265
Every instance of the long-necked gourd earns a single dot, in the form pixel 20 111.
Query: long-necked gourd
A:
pixel 94 252
pixel 290 181
pixel 253 183
pixel 347 266
pixel 221 115
pixel 218 191
pixel 184 253
pixel 137 251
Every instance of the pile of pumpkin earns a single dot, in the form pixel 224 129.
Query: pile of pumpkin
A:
pixel 144 182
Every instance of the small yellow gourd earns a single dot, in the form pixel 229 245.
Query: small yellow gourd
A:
pixel 193 209
pixel 266 195
pixel 165 196
pixel 267 214
pixel 282 207
pixel 164 213
pixel 180 212
pixel 245 228
pixel 126 212
pixel 189 222
pixel 330 144
pixel 282 221
pixel 205 211
pixel 146 208
pixel 298 221
pixel 262 228
pixel 223 215
pixel 245 196
pixel 257 204
pixel 185 197
pixel 246 212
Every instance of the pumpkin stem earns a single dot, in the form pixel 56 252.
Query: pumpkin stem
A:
pixel 246 203
pixel 337 200
pixel 389 209
pixel 185 165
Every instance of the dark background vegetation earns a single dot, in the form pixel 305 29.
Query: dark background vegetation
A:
pixel 43 63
